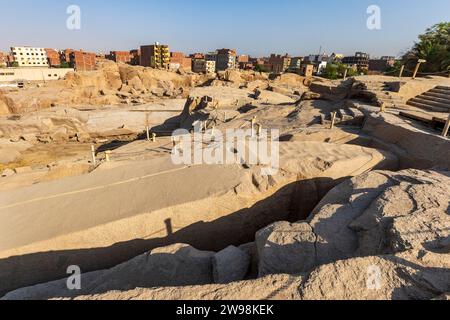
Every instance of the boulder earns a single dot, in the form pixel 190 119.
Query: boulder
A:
pixel 136 84
pixel 230 265
pixel 412 275
pixel 373 214
pixel 175 265
pixel 274 287
pixel 286 248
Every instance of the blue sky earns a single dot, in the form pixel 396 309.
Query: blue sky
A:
pixel 255 27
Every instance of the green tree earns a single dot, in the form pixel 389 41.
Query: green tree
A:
pixel 335 71
pixel 434 47
pixel 15 64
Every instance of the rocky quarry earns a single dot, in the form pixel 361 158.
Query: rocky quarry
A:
pixel 359 207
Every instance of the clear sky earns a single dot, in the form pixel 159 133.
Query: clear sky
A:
pixel 255 27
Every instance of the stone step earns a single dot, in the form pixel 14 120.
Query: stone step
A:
pixel 437 95
pixel 441 91
pixel 434 99
pixel 444 105
pixel 426 106
pixel 443 88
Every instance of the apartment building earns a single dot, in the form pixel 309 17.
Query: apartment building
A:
pixel 204 63
pixel 82 61
pixel 244 62
pixel 382 64
pixel 135 57
pixel 360 60
pixel 179 60
pixel 119 56
pixel 279 63
pixel 226 59
pixel 155 56
pixel 53 57
pixel 199 65
pixel 296 63
pixel 211 62
pixel 30 57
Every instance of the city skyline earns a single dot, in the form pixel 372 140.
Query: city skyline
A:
pixel 257 28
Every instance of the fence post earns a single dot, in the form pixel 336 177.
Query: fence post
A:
pixel 333 120
pixel 419 62
pixel 446 128
pixel 94 160
pixel 345 74
pixel 401 71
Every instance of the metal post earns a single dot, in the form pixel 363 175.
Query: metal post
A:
pixel 107 155
pixel 148 133
pixel 383 107
pixel 153 137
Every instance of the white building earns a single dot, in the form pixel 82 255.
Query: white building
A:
pixel 9 75
pixel 30 57
pixel 321 66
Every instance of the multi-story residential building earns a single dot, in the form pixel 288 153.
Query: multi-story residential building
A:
pixel 54 57
pixel 155 56
pixel 30 57
pixel 382 64
pixel 296 63
pixel 65 55
pixel 135 57
pixel 82 61
pixel 179 60
pixel 226 59
pixel 119 56
pixel 199 65
pixel 211 62
pixel 244 62
pixel 360 60
pixel 197 56
pixel 257 61
pixel 279 63
pixel 207 64
pixel 316 58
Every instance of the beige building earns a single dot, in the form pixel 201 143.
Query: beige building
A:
pixel 30 57
pixel 203 66
pixel 32 74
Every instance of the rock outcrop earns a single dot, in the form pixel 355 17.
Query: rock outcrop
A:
pixel 230 265
pixel 176 265
pixel 381 235
pixel 374 214
pixel 216 206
